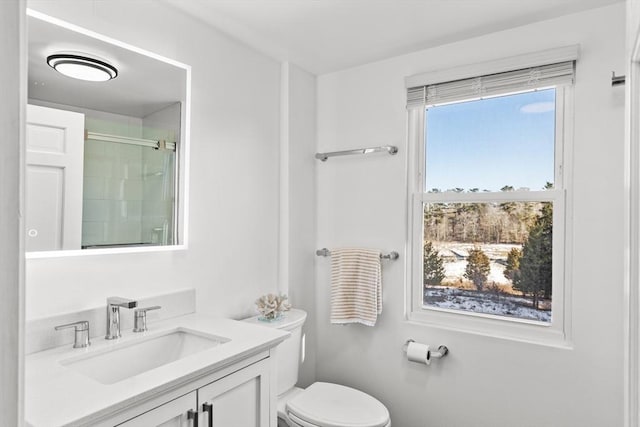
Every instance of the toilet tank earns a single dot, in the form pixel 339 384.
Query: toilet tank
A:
pixel 290 350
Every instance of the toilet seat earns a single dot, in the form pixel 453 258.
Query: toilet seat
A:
pixel 333 405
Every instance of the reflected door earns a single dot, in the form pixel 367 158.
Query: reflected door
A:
pixel 55 149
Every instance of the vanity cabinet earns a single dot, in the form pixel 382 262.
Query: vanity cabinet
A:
pixel 230 383
pixel 240 398
pixel 175 413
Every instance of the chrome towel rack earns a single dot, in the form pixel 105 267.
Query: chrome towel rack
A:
pixel 391 149
pixel 393 255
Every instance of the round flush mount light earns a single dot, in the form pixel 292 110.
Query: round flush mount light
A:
pixel 82 67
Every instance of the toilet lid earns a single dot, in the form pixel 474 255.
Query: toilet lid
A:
pixel 333 405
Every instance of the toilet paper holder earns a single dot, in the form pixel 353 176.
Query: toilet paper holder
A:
pixel 440 353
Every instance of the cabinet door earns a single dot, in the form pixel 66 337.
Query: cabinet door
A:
pixel 174 413
pixel 239 400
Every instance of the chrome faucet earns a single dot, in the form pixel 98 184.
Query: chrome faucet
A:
pixel 113 315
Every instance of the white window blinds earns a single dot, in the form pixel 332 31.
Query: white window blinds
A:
pixel 561 73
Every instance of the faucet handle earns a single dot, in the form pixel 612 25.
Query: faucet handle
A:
pixel 81 335
pixel 140 318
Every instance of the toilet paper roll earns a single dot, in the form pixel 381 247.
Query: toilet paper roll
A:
pixel 420 353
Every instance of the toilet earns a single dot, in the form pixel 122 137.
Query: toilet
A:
pixel 321 404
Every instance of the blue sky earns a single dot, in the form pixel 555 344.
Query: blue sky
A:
pixel 490 143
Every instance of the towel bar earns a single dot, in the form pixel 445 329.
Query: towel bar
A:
pixel 393 255
pixel 391 149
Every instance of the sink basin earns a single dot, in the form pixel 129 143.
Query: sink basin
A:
pixel 128 359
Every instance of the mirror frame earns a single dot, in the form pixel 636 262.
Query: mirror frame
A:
pixel 182 163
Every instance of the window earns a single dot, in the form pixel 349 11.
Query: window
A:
pixel 488 187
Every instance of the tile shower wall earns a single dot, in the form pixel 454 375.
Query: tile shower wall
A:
pixel 112 202
pixel 128 189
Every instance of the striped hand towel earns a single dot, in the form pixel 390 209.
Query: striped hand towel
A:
pixel 356 286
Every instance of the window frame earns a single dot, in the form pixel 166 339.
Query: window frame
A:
pixel 558 333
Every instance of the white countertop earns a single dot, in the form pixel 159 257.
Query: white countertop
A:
pixel 56 395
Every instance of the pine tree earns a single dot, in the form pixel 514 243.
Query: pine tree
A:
pixel 478 267
pixel 512 270
pixel 536 262
pixel 433 267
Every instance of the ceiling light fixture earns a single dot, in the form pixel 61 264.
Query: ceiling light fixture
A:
pixel 82 67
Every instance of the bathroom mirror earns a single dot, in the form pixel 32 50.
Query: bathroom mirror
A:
pixel 106 160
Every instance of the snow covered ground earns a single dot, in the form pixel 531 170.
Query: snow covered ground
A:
pixel 506 303
pixel 487 303
pixel 454 271
pixel 454 266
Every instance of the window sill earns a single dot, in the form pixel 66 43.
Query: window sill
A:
pixel 530 332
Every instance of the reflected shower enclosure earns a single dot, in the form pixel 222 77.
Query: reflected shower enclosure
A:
pixel 129 190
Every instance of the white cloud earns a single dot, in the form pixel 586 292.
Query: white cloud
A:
pixel 538 107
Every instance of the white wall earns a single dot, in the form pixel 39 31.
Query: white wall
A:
pixel 362 201
pixel 233 244
pixel 298 195
pixel 12 109
pixel 632 128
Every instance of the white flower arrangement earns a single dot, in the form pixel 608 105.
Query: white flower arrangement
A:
pixel 271 306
